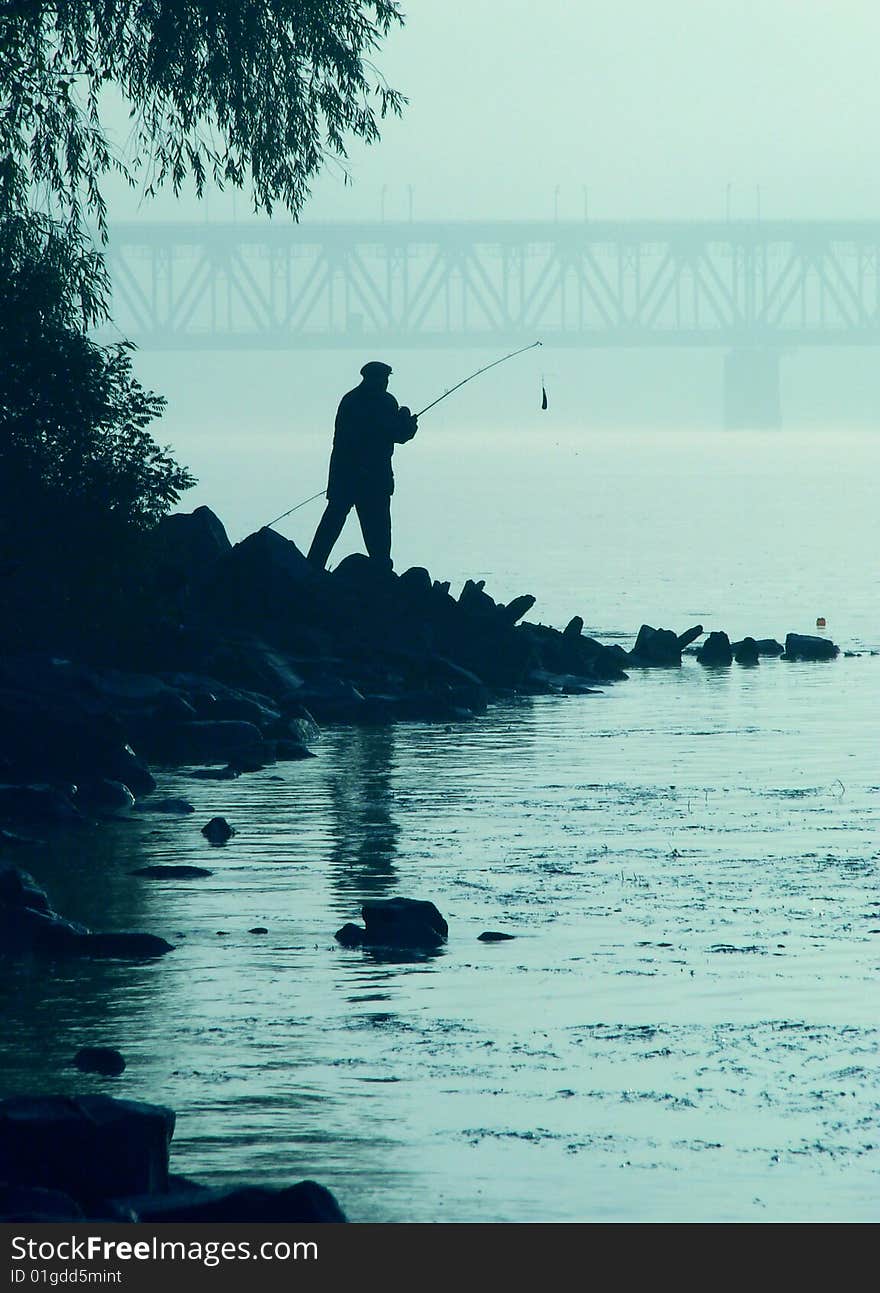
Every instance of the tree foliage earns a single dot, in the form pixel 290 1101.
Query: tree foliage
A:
pixel 81 478
pixel 228 90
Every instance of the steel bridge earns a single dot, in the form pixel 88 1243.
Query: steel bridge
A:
pixel 755 288
pixel 629 283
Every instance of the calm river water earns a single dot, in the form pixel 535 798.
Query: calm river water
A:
pixel 686 1025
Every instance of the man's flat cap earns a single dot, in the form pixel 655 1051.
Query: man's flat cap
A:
pixel 376 369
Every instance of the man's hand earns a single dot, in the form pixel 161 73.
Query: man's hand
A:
pixel 408 425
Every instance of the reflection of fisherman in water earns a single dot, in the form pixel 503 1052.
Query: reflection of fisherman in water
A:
pixel 364 831
pixel 368 425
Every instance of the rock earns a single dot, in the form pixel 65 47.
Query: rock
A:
pixel 190 544
pixel 715 650
pixel 570 654
pixel 332 700
pixel 689 636
pixel 403 922
pixel 91 1147
pixel 304 1204
pixel 100 1059
pixel 289 751
pixel 416 583
pixel 258 929
pixel 216 774
pixel 656 647
pixel 217 830
pixel 121 946
pixel 801 646
pixel 31 1203
pixel 206 741
pixel 297 724
pixel 240 708
pixel 350 935
pixel 122 764
pixel 746 652
pixel 516 609
pixel 100 795
pixel 28 926
pixel 59 729
pixel 168 805
pixel 493 936
pixel 173 872
pixel 765 646
pixel 18 889
pixel 38 803
pixel 574 628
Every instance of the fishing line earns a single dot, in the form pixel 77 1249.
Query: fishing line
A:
pixel 421 413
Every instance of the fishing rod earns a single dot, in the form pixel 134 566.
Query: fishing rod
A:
pixel 421 413
pixel 465 381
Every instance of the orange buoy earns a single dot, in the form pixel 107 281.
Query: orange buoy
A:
pixel 820 622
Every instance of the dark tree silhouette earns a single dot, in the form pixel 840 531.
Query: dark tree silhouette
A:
pixel 81 478
pixel 238 91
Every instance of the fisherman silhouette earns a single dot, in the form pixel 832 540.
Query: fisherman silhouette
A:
pixel 369 424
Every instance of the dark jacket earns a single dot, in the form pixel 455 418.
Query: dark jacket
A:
pixel 368 425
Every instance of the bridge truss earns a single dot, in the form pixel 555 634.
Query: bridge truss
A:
pixel 739 284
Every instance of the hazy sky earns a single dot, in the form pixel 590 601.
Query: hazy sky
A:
pixel 654 106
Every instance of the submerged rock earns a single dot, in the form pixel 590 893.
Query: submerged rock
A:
pixel 494 936
pixel 173 872
pixel 217 830
pixel 100 1059
pixel 350 935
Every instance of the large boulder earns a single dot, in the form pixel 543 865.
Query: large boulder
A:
pixel 90 1147
pixel 263 582
pixel 188 545
pixel 403 922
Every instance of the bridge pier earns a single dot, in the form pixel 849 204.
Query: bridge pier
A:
pixel 751 389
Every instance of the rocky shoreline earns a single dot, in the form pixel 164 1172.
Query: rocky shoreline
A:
pixel 254 651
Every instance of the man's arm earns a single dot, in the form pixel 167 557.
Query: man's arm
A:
pixel 406 425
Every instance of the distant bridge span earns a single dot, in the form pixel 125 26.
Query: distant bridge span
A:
pixel 593 283
pixel 753 288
